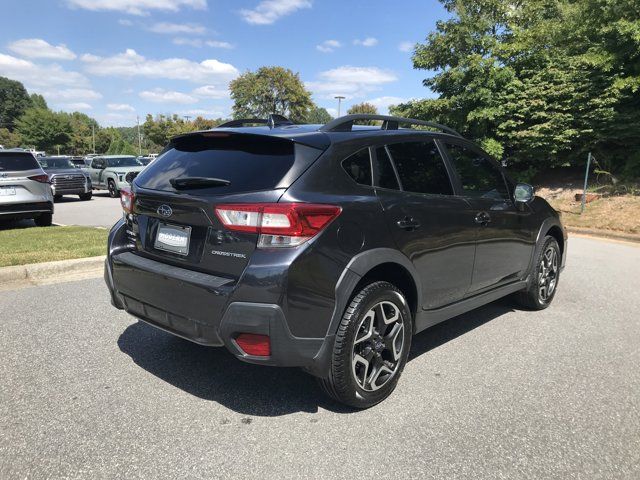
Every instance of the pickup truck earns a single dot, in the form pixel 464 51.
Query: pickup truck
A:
pixel 108 172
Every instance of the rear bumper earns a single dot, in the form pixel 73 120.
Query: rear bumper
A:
pixel 18 209
pixel 201 308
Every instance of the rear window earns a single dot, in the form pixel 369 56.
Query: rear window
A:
pixel 16 162
pixel 249 162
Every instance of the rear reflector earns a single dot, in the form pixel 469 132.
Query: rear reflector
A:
pixel 254 344
pixel 278 224
pixel 40 178
pixel 127 199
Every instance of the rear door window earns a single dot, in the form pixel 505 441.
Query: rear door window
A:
pixel 248 162
pixel 17 162
pixel 420 168
pixel 386 176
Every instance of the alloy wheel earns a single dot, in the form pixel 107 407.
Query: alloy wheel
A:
pixel 378 346
pixel 548 274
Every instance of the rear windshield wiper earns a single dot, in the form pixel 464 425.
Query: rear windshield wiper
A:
pixel 186 183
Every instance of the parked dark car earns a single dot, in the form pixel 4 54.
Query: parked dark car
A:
pixel 65 178
pixel 327 247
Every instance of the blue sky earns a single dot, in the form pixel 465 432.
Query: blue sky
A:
pixel 115 59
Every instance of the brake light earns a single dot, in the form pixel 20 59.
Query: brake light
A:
pixel 254 344
pixel 127 199
pixel 40 178
pixel 278 224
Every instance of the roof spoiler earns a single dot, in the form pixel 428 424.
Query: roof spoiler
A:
pixel 345 123
pixel 274 120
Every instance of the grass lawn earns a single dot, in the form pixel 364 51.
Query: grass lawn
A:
pixel 20 246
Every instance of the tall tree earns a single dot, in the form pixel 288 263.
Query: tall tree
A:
pixel 545 81
pixel 364 108
pixel 14 101
pixel 270 90
pixel 318 115
pixel 38 101
pixel 44 129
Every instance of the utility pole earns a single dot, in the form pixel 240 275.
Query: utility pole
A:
pixel 139 137
pixel 93 136
pixel 186 117
pixel 339 98
pixel 584 190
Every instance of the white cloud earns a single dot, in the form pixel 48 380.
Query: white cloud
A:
pixel 36 76
pixel 350 81
pixel 383 103
pixel 406 46
pixel 177 28
pixel 332 111
pixel 199 43
pixel 71 95
pixel 38 48
pixel 159 95
pixel 269 11
pixel 125 22
pixel 120 107
pixel 137 7
pixel 131 64
pixel 211 91
pixel 202 113
pixel 367 42
pixel 328 46
pixel 76 106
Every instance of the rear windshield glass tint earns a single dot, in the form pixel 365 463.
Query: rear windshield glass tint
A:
pixel 249 162
pixel 15 162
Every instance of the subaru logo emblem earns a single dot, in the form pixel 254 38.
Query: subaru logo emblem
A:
pixel 164 210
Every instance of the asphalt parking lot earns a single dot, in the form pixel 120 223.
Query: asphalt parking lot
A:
pixel 100 211
pixel 89 392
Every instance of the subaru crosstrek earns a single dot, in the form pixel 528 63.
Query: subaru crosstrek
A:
pixel 327 247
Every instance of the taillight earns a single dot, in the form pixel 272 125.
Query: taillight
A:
pixel 254 344
pixel 40 178
pixel 127 198
pixel 278 224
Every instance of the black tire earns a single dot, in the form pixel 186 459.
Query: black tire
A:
pixel 56 198
pixel 44 220
pixel 113 190
pixel 86 196
pixel 341 383
pixel 545 277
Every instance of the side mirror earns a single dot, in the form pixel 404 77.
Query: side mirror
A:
pixel 523 194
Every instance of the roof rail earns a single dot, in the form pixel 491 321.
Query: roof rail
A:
pixel 345 123
pixel 274 120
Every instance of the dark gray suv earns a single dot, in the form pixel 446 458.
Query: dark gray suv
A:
pixel 327 247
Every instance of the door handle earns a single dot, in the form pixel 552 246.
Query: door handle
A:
pixel 408 223
pixel 483 218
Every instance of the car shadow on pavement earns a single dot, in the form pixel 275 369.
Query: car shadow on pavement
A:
pixel 216 375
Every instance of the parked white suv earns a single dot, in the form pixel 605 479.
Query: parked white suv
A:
pixel 25 191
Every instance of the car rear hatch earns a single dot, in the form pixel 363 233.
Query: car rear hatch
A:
pixel 177 224
pixel 22 180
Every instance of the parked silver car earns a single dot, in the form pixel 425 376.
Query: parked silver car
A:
pixel 65 178
pixel 109 172
pixel 25 191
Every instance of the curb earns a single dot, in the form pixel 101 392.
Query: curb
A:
pixel 611 235
pixel 50 272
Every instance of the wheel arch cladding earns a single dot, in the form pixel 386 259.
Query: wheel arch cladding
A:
pixel 556 233
pixel 398 276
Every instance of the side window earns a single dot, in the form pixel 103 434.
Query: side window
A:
pixel 358 167
pixel 478 175
pixel 421 168
pixel 96 163
pixel 386 176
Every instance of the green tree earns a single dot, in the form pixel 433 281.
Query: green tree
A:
pixel 14 101
pixel 120 146
pixel 318 115
pixel 44 129
pixel 38 101
pixel 9 139
pixel 544 81
pixel 364 108
pixel 270 90
pixel 81 137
